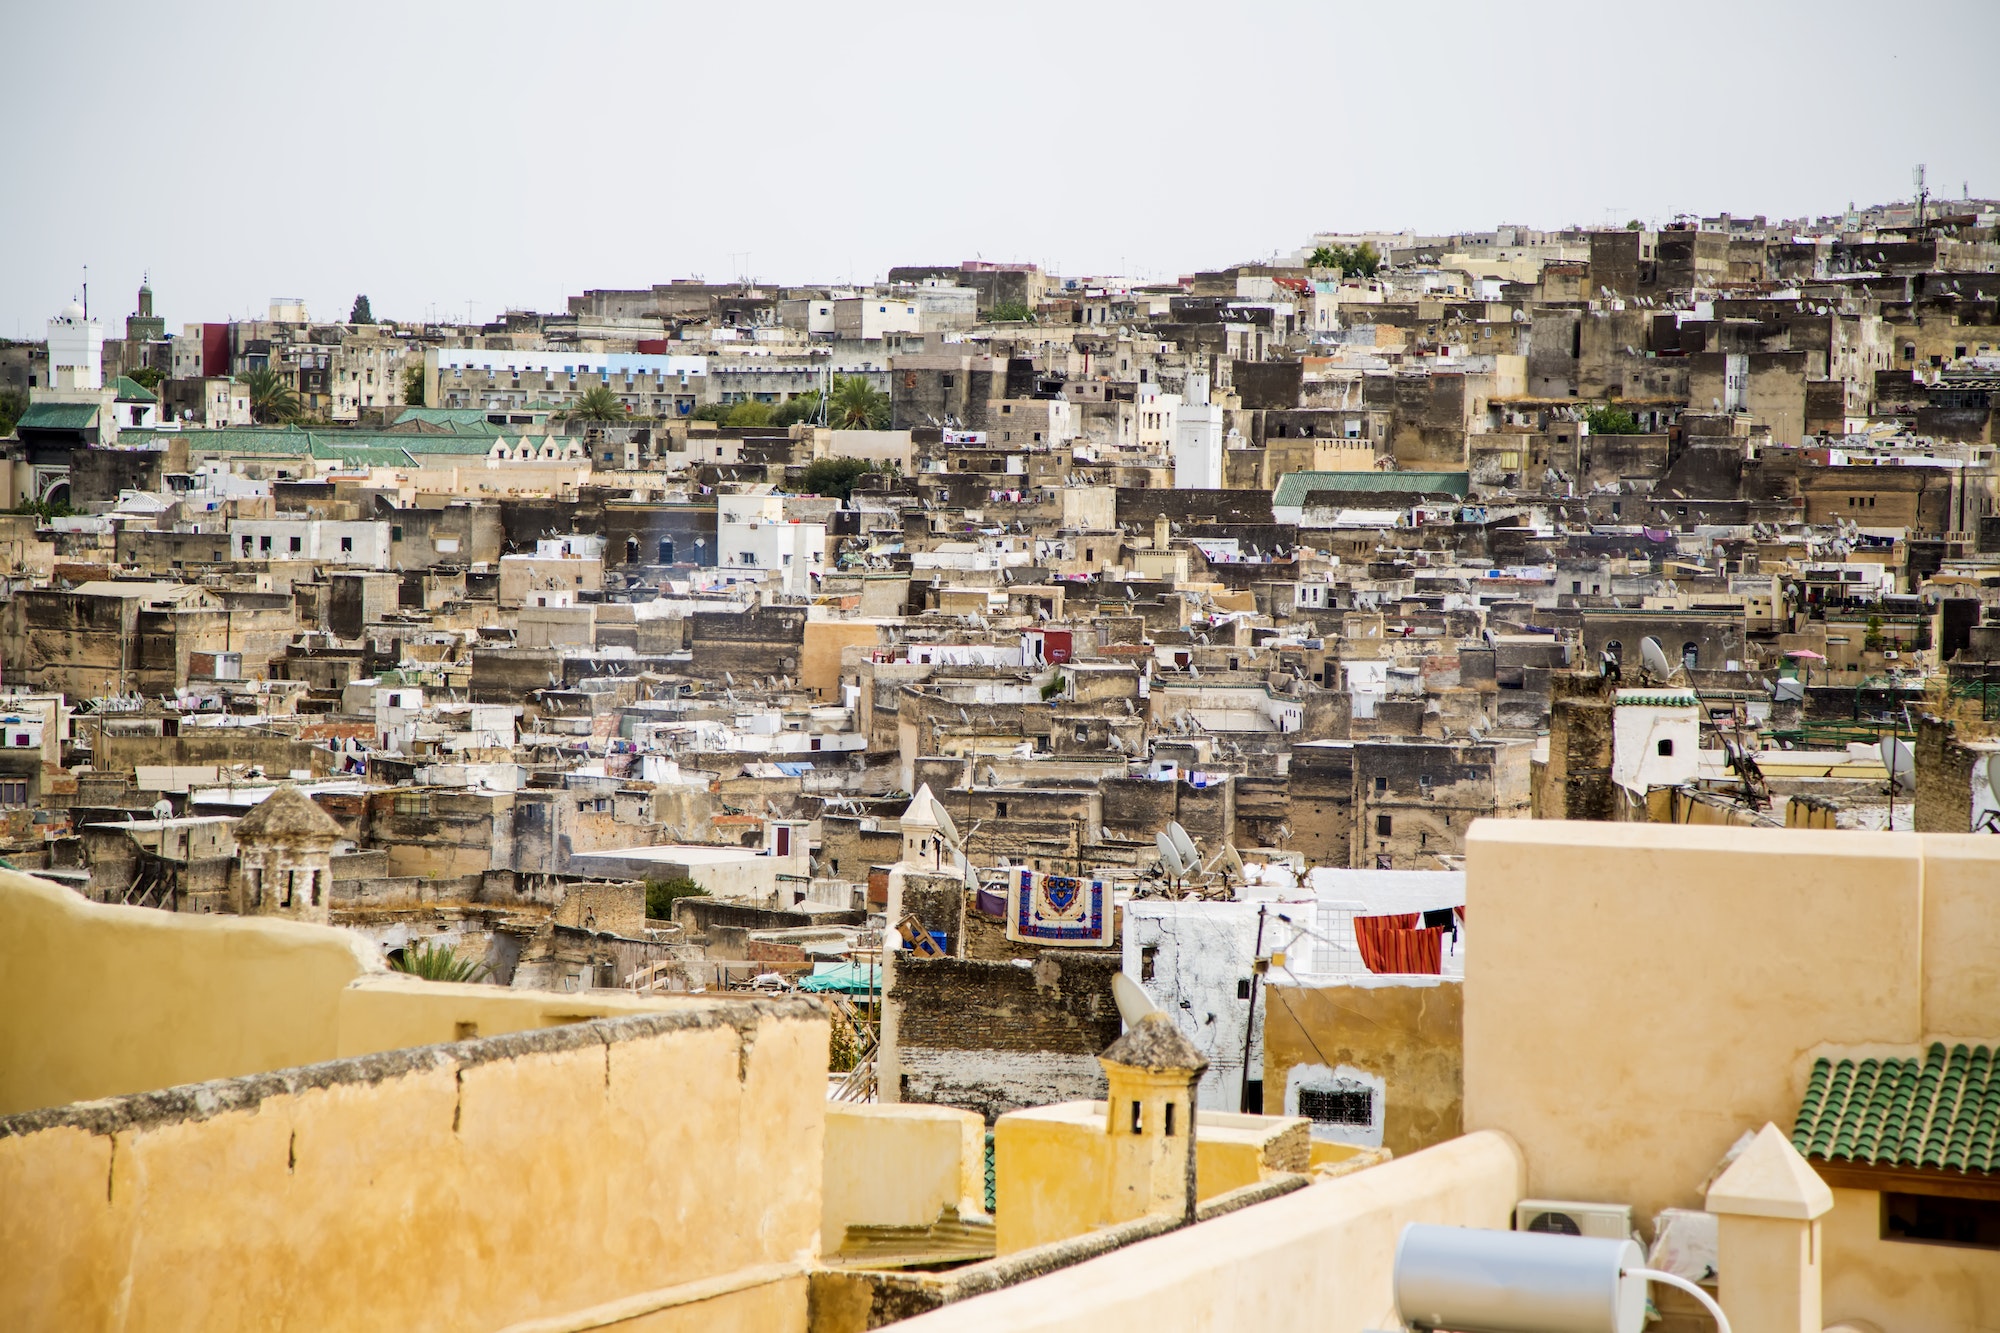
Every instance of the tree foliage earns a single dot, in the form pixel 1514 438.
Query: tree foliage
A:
pixel 271 399
pixel 148 376
pixel 834 477
pixel 749 412
pixel 857 405
pixel 1010 312
pixel 661 894
pixel 1611 420
pixel 437 962
pixel 1354 261
pixel 361 314
pixel 598 403
pixel 413 386
pixel 800 407
pixel 12 404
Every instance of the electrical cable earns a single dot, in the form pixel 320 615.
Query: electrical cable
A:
pixel 1681 1283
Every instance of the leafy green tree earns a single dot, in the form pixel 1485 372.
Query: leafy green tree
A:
pixel 361 314
pixel 271 399
pixel 12 404
pixel 716 412
pixel 1635 225
pixel 1354 261
pixel 598 403
pixel 833 477
pixel 857 405
pixel 44 509
pixel 1611 420
pixel 661 894
pixel 436 962
pixel 413 386
pixel 1872 639
pixel 750 412
pixel 800 407
pixel 148 376
pixel 1010 312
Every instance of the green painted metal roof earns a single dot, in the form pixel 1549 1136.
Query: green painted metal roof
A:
pixel 57 416
pixel 1294 487
pixel 131 391
pixel 1941 1112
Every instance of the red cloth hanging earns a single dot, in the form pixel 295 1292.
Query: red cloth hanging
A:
pixel 1389 945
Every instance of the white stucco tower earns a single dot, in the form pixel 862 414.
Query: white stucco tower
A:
pixel 76 351
pixel 1197 439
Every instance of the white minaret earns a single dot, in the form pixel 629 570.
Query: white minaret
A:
pixel 76 351
pixel 1197 439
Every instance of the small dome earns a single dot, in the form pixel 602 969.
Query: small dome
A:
pixel 74 310
pixel 286 813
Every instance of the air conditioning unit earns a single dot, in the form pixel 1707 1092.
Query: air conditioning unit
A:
pixel 1607 1221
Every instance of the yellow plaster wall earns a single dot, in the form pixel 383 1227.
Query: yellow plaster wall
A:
pixel 899 1166
pixel 98 1000
pixel 1639 995
pixel 393 1011
pixel 1961 940
pixel 472 1187
pixel 1052 1167
pixel 1410 1036
pixel 1315 1261
pixel 819 656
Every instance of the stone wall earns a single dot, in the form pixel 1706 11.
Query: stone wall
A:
pixel 993 1037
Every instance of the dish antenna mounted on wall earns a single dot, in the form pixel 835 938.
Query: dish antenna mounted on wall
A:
pixel 1986 795
pixel 1654 662
pixel 1902 767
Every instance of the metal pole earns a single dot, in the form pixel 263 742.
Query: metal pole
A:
pixel 1250 1024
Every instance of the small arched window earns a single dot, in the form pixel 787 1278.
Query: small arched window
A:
pixel 1666 749
pixel 1690 655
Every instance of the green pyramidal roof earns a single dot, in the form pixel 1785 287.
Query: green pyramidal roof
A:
pixel 1940 1113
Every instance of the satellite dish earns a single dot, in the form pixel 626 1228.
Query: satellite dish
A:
pixel 1133 1002
pixel 1655 658
pixel 1182 842
pixel 1902 764
pixel 1985 796
pixel 1169 855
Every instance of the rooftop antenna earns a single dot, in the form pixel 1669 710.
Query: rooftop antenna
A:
pixel 86 293
pixel 1923 195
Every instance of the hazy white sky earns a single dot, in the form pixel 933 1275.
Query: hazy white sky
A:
pixel 454 157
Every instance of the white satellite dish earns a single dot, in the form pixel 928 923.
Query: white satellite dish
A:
pixel 1133 1003
pixel 1901 763
pixel 1182 842
pixel 1654 658
pixel 1169 855
pixel 1985 796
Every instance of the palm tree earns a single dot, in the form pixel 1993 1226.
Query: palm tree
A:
pixel 436 962
pixel 271 399
pixel 857 405
pixel 598 404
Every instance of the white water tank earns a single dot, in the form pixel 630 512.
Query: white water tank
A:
pixel 1474 1281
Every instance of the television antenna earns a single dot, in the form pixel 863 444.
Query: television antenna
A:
pixel 1923 194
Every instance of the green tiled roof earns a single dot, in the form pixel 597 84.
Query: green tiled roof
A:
pixel 131 391
pixel 292 440
pixel 1294 487
pixel 57 416
pixel 1941 1112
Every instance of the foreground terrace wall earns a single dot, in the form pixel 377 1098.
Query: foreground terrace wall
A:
pixel 1637 996
pixel 96 1001
pixel 594 1167
pixel 1315 1261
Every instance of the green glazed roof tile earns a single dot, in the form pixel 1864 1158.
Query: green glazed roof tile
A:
pixel 1940 1111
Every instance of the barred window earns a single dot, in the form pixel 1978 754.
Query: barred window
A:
pixel 1338 1106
